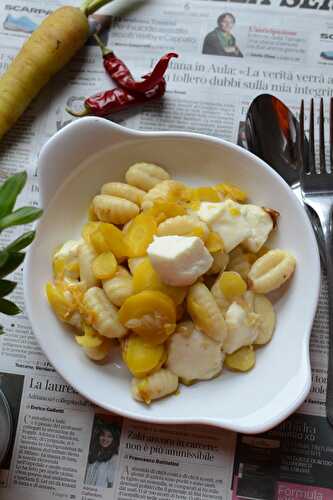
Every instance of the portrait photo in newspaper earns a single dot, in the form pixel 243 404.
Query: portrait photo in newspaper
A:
pixel 11 386
pixel 221 41
pixel 103 451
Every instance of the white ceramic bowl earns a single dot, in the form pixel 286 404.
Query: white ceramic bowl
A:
pixel 73 165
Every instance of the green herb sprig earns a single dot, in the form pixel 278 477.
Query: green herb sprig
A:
pixel 12 256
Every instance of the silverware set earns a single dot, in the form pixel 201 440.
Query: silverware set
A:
pixel 275 135
pixel 317 192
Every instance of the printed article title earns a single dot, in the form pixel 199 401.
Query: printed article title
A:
pixel 302 4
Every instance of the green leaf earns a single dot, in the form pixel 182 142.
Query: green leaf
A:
pixel 22 215
pixel 8 307
pixel 6 287
pixel 3 258
pixel 21 242
pixel 2 331
pixel 9 191
pixel 12 262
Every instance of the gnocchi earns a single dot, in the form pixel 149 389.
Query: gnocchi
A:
pixel 113 209
pixel 101 314
pixel 205 312
pixel 166 191
pixel 172 276
pixel 145 175
pixel 271 270
pixel 155 386
pixel 119 287
pixel 123 190
pixel 184 225
pixel 87 255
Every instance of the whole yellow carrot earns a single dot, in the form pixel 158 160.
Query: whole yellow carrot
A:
pixel 45 52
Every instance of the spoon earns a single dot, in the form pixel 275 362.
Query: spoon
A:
pixel 273 134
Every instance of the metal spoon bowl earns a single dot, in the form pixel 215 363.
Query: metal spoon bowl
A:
pixel 273 134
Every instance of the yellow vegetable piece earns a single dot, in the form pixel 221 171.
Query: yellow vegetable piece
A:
pixel 73 267
pixel 231 191
pixel 45 52
pixel 232 285
pixel 150 314
pixel 162 210
pixel 108 238
pixel 140 234
pixel 88 229
pixel 58 268
pixel 62 303
pixel 105 266
pixel 142 358
pixel 91 214
pixel 100 352
pixel 214 242
pixel 242 360
pixel 194 205
pixel 98 242
pixel 234 211
pixel 146 278
pixel 205 193
pixel 91 338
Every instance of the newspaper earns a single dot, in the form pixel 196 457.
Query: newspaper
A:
pixel 284 47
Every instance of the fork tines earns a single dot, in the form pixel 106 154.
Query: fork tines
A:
pixel 310 159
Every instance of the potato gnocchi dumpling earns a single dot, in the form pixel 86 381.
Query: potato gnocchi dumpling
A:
pixel 123 190
pixel 184 225
pixel 113 209
pixel 165 191
pixel 119 287
pixel 173 276
pixel 145 175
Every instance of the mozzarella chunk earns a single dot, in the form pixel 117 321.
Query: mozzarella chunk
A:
pixel 242 328
pixel 261 224
pixel 179 260
pixel 69 250
pixel 231 225
pixel 209 211
pixel 66 259
pixel 226 219
pixel 192 355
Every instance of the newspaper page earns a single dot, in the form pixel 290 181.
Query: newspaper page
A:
pixel 58 444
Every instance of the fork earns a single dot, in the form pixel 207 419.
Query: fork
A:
pixel 317 192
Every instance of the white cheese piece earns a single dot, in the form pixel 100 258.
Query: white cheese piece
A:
pixel 192 355
pixel 179 260
pixel 209 211
pixel 261 225
pixel 68 251
pixel 231 225
pixel 67 256
pixel 242 328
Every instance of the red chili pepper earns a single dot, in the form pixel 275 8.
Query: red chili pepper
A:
pixel 120 73
pixel 110 101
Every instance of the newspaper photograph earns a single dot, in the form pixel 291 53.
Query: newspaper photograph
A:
pixel 56 444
